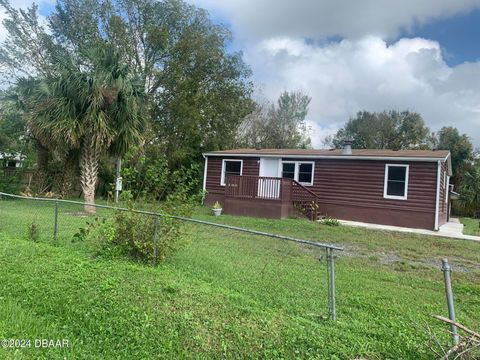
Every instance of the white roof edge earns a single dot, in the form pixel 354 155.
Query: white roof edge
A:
pixel 448 159
pixel 342 157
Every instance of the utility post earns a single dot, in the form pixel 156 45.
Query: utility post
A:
pixel 118 179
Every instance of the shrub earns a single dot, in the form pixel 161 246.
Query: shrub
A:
pixel 11 183
pixel 90 227
pixel 149 176
pixel 469 202
pixel 134 234
pixel 33 232
pixel 329 221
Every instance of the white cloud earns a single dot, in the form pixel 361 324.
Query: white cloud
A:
pixel 361 72
pixel 20 4
pixel 367 74
pixel 320 18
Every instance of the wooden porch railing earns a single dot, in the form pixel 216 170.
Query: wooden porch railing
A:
pixel 305 201
pixel 302 193
pixel 258 187
pixel 275 189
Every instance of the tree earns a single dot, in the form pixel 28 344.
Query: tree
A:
pixel 461 150
pixel 12 126
pixel 470 191
pixel 90 109
pixel 196 91
pixel 199 91
pixel 386 130
pixel 277 126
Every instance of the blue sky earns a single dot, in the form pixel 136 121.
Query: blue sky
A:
pixel 350 55
pixel 458 36
pixel 45 8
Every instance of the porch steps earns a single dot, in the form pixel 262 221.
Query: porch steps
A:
pixel 309 209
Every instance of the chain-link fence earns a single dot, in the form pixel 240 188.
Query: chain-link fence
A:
pixel 278 271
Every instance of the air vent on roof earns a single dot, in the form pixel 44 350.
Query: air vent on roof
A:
pixel 347 147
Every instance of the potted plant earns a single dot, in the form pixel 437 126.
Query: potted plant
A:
pixel 216 209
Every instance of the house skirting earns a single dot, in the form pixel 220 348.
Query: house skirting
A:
pixel 262 208
pixel 382 216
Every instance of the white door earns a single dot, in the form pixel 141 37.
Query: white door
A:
pixel 269 188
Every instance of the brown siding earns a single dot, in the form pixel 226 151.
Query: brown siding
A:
pixel 353 190
pixel 216 191
pixel 443 206
pixel 362 182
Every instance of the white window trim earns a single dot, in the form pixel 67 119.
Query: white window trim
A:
pixel 297 170
pixel 447 189
pixel 385 183
pixel 222 178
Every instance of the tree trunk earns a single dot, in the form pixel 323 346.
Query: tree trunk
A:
pixel 43 156
pixel 89 174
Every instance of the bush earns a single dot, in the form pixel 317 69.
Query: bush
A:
pixel 329 221
pixel 469 202
pixel 131 234
pixel 149 176
pixel 11 183
pixel 134 236
pixel 33 232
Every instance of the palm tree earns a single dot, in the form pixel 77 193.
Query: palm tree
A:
pixel 470 191
pixel 95 106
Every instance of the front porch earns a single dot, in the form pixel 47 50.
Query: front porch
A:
pixel 268 197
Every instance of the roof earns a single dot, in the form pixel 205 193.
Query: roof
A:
pixel 370 153
pixel 357 154
pixel 12 156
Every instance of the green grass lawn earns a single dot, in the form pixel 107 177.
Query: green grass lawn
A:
pixel 225 294
pixel 471 226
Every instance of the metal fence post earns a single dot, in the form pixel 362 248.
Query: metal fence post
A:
pixel 332 314
pixel 55 223
pixel 155 239
pixel 327 262
pixel 448 292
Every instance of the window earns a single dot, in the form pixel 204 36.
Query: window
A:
pixel 299 171
pixel 305 173
pixel 230 167
pixel 288 170
pixel 396 182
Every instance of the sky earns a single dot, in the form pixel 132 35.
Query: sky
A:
pixel 350 55
pixel 374 55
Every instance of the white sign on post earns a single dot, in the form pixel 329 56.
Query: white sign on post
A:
pixel 118 184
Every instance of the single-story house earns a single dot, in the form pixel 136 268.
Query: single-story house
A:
pixel 402 188
pixel 11 160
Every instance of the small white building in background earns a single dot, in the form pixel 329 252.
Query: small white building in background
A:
pixel 11 160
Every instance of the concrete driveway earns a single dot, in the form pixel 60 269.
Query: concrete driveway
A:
pixel 453 229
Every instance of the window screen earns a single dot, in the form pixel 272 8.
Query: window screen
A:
pixel 397 176
pixel 305 173
pixel 288 170
pixel 232 168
